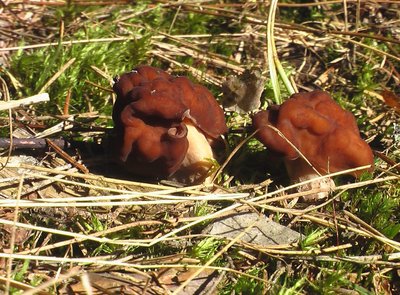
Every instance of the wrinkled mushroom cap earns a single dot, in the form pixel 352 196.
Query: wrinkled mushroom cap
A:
pixel 150 117
pixel 319 128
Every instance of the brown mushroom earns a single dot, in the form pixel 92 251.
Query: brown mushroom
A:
pixel 165 125
pixel 317 127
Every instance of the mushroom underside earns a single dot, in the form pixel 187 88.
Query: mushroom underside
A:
pixel 198 160
pixel 311 183
pixel 191 169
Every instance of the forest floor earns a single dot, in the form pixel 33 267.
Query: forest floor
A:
pixel 72 222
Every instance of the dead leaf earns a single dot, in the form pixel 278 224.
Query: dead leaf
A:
pixel 21 234
pixel 243 93
pixel 391 99
pixel 164 279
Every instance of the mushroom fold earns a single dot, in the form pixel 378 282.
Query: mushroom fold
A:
pixel 154 116
pixel 315 136
pixel 319 128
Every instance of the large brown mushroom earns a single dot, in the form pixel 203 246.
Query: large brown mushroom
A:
pixel 326 135
pixel 165 125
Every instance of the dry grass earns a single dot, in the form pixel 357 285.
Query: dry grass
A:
pixel 79 227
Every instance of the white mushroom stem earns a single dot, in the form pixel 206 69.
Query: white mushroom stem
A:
pixel 196 164
pixel 300 171
pixel 199 149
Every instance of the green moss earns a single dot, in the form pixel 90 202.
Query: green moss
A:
pixel 377 207
pixel 205 249
pixel 246 285
pixel 36 68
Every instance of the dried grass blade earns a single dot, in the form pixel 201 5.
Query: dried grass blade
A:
pixel 6 105
pixel 22 286
pixel 380 52
pixel 13 232
pixel 56 75
pixel 270 52
pixel 190 189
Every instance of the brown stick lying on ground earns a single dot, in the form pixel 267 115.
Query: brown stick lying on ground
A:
pixel 32 143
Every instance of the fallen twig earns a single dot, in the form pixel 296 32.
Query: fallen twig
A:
pixel 32 143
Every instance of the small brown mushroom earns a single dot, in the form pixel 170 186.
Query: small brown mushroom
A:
pixel 165 125
pixel 317 127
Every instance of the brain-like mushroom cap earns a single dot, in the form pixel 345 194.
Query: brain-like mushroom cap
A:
pixel 319 128
pixel 149 116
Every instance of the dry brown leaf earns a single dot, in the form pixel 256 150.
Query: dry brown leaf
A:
pixel 391 99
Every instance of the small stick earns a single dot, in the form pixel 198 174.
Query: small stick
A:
pixel 66 104
pixel 388 160
pixel 67 157
pixel 31 143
